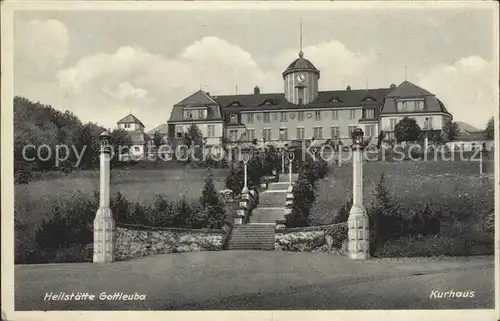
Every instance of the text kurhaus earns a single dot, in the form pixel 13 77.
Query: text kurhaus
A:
pixel 435 294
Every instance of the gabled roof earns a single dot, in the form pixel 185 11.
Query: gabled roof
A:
pixel 130 119
pixel 407 89
pixel 199 98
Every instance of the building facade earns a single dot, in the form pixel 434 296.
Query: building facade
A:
pixel 139 138
pixel 302 112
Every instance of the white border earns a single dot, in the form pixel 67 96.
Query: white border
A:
pixel 7 169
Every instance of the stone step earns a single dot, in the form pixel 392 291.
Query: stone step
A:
pixel 252 237
pixel 268 215
pixel 284 177
pixel 274 198
pixel 278 186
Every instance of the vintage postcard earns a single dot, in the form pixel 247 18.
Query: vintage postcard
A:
pixel 250 160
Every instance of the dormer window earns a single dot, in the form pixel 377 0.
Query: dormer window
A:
pixel 409 105
pixel 335 100
pixel 267 102
pixel 233 118
pixel 235 104
pixel 369 99
pixel 370 113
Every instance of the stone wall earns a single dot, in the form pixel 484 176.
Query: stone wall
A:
pixel 136 241
pixel 327 238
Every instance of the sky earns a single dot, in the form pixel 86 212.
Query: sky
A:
pixel 102 65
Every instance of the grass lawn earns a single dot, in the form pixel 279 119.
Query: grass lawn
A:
pixel 135 184
pixel 445 184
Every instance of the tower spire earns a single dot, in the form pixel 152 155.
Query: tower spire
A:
pixel 301 53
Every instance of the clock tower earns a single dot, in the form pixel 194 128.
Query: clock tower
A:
pixel 301 79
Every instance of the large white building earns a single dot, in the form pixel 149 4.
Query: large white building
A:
pixel 301 111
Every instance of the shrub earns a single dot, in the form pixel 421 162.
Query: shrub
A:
pixel 343 212
pixel 425 222
pixel 234 180
pixel 434 245
pixel 304 196
pixel 22 173
pixel 385 218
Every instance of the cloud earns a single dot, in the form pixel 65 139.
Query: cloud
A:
pixel 41 46
pixel 338 65
pixel 103 87
pixel 468 88
pixel 132 78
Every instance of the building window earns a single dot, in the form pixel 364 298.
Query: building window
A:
pixel 428 123
pixel 283 134
pixel 266 133
pixel 210 130
pixel 318 115
pixel 318 133
pixel 233 135
pixel 201 114
pixel 283 116
pixel 249 118
pixel 370 113
pixel 251 134
pixel 352 114
pixel 301 115
pixel 179 131
pixel 351 129
pixel 301 133
pixel 335 114
pixel 267 117
pixel 127 125
pixel 234 118
pixel 408 106
pixel 392 124
pixel 370 130
pixel 335 132
pixel 301 96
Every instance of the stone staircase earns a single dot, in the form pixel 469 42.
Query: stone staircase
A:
pixel 252 237
pixel 259 233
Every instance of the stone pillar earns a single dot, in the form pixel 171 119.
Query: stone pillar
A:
pixel 481 161
pixel 243 208
pixel 283 162
pixel 358 224
pixel 289 200
pixel 104 224
pixel 339 147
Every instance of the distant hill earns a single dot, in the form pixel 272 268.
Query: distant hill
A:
pixel 464 127
pixel 162 128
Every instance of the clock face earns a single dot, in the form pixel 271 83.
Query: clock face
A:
pixel 301 77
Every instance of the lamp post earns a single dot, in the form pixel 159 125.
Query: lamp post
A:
pixel 104 224
pixel 290 156
pixel 245 157
pixel 480 160
pixel 282 157
pixel 358 224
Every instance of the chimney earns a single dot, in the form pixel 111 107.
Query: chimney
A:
pixel 393 86
pixel 256 90
pixel 348 87
pixel 208 94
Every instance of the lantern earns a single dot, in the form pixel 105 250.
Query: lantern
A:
pixel 104 138
pixel 357 136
